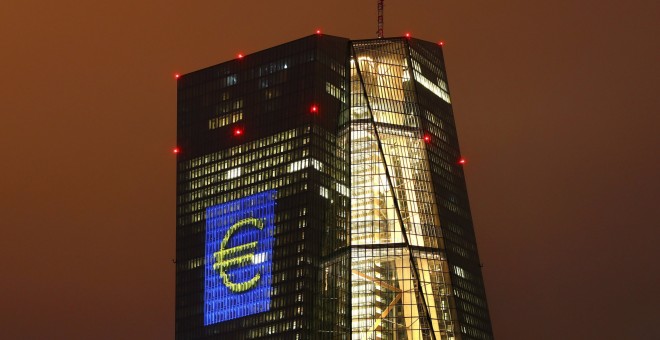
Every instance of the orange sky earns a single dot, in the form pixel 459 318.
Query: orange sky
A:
pixel 556 104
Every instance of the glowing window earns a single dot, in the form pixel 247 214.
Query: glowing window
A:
pixel 305 163
pixel 438 89
pixel 459 271
pixel 342 189
pixel 225 120
pixel 235 172
pixel 335 92
pixel 323 191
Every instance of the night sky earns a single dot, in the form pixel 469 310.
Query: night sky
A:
pixel 556 104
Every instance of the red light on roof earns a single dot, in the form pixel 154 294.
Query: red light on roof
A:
pixel 238 131
pixel 240 56
pixel 318 31
pixel 314 109
pixel 175 150
pixel 407 35
pixel 462 161
pixel 176 76
pixel 427 138
pixel 442 43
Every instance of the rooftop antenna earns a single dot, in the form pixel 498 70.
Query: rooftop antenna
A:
pixel 380 18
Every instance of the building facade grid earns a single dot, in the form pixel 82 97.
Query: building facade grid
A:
pixel 372 236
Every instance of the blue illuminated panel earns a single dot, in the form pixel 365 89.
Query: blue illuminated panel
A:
pixel 239 255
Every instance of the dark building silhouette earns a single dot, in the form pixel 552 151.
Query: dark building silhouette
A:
pixel 320 195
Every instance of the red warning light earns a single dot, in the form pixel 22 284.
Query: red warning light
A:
pixel 176 76
pixel 240 56
pixel 441 43
pixel 462 161
pixel 314 109
pixel 427 138
pixel 175 150
pixel 238 131
pixel 318 31
pixel 407 35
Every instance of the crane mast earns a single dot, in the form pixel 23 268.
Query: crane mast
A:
pixel 380 18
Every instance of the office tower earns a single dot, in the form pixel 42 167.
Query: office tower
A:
pixel 320 195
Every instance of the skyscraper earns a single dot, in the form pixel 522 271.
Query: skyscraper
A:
pixel 320 195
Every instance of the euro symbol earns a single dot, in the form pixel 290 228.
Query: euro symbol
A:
pixel 225 259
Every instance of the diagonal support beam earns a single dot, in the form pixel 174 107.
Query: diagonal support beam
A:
pixel 389 308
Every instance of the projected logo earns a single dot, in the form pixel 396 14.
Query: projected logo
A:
pixel 239 253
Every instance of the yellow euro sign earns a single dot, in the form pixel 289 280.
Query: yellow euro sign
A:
pixel 225 259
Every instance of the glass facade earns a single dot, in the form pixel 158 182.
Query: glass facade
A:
pixel 247 128
pixel 319 197
pixel 400 286
pixel 406 185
